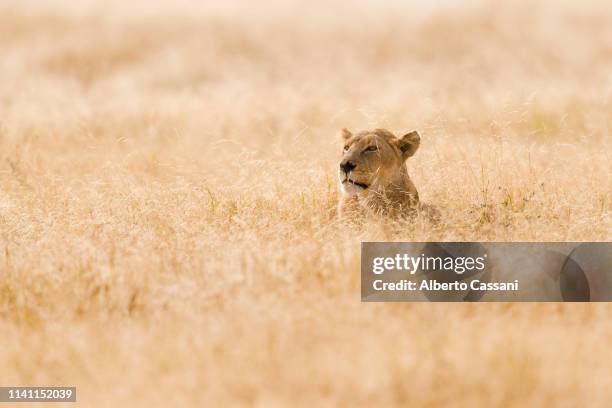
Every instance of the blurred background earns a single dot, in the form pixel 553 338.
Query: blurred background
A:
pixel 294 69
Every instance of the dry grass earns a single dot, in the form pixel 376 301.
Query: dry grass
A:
pixel 167 186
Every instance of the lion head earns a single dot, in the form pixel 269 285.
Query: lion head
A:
pixel 374 159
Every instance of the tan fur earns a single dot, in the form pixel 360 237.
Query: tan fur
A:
pixel 379 160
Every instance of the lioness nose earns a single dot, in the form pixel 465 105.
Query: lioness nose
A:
pixel 347 166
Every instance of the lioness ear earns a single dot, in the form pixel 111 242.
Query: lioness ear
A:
pixel 409 143
pixel 345 134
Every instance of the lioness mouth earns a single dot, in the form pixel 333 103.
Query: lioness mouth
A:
pixel 358 184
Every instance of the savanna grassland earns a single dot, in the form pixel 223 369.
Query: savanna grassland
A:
pixel 168 188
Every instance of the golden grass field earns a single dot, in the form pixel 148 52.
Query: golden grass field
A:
pixel 168 188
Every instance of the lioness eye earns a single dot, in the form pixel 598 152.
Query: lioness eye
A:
pixel 346 148
pixel 371 149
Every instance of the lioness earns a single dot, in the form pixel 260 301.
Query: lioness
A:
pixel 373 175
